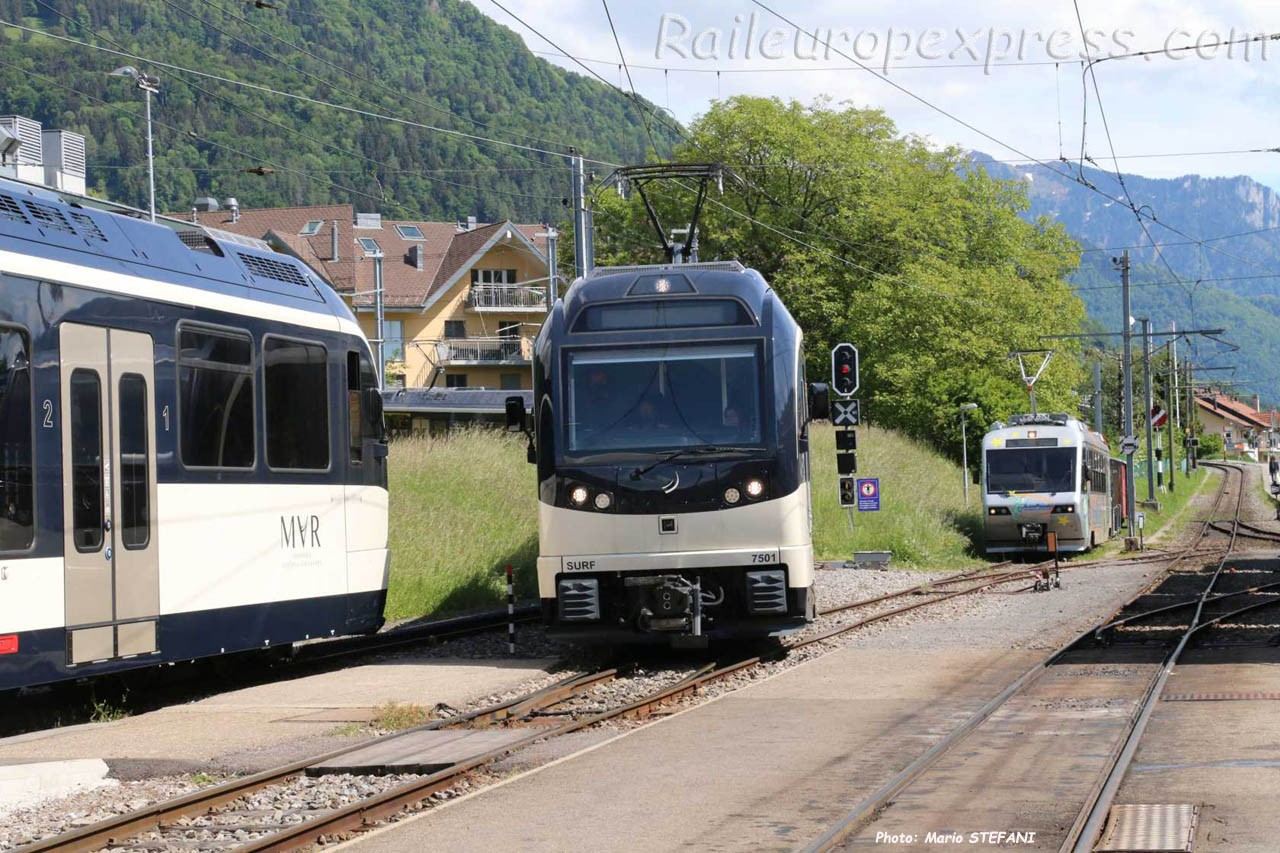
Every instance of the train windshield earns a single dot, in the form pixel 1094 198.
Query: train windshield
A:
pixel 659 398
pixel 1050 469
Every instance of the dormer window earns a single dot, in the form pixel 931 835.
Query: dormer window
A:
pixel 312 228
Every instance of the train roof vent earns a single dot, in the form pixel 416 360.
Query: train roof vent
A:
pixel 1050 419
pixel 10 210
pixel 88 227
pixel 48 216
pixel 720 266
pixel 198 241
pixel 278 270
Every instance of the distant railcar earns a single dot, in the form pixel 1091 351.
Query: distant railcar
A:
pixel 671 422
pixel 192 458
pixel 1048 473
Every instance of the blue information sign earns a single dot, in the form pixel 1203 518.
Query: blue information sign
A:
pixel 869 495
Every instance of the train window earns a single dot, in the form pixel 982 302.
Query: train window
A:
pixel 17 497
pixel 135 489
pixel 215 388
pixel 85 415
pixel 296 375
pixel 670 314
pixel 354 421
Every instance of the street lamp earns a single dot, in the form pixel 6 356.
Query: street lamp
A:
pixel 147 84
pixel 965 408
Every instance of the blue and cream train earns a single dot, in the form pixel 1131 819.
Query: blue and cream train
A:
pixel 192 458
pixel 670 432
pixel 1044 474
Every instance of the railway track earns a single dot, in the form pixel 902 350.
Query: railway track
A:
pixel 230 806
pixel 225 808
pixel 1180 622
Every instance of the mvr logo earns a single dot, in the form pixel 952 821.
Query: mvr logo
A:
pixel 299 531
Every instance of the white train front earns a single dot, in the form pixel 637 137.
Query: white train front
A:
pixel 1045 474
pixel 670 434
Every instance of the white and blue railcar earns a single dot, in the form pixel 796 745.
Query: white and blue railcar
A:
pixel 192 459
pixel 1045 474
pixel 671 439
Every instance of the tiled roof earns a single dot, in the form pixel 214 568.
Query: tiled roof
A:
pixel 445 249
pixel 1226 406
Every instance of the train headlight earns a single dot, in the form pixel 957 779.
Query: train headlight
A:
pixel 579 495
pixel 755 488
pixel 604 500
pixel 732 495
pixel 1064 509
pixel 998 510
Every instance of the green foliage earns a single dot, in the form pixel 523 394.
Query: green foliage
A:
pixel 440 63
pixel 871 237
pixel 1210 446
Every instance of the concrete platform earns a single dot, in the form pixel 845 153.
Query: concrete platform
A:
pixel 1224 754
pixel 24 784
pixel 266 725
pixel 773 765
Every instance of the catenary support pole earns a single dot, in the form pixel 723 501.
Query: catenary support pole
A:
pixel 1146 384
pixel 1097 397
pixel 1127 385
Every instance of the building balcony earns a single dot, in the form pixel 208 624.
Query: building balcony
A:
pixel 507 298
pixel 483 351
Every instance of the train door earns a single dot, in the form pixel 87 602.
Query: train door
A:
pixel 111 573
pixel 365 497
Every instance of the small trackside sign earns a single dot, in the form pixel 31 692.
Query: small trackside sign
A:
pixel 869 495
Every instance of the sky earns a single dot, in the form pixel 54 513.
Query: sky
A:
pixel 1013 71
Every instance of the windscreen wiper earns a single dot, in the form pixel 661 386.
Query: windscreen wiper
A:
pixel 689 451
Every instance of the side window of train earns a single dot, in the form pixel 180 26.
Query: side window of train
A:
pixel 355 423
pixel 86 459
pixel 215 398
pixel 135 491
pixel 296 376
pixel 17 486
pixel 364 406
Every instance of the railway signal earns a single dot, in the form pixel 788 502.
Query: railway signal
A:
pixel 847 413
pixel 845 380
pixel 848 492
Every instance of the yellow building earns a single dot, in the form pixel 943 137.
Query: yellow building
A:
pixel 462 302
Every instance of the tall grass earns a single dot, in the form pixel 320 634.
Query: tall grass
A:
pixel 465 505
pixel 922 517
pixel 462 507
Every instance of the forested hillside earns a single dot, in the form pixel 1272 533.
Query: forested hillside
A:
pixel 1225 278
pixel 438 62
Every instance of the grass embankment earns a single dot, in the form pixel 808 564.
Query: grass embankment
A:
pixel 922 517
pixel 464 506
pixel 1171 506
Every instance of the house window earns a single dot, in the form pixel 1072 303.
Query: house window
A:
pixel 509 382
pixel 312 228
pixel 455 380
pixel 455 329
pixel 393 346
pixel 369 245
pixel 508 328
pixel 479 276
pixel 410 232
